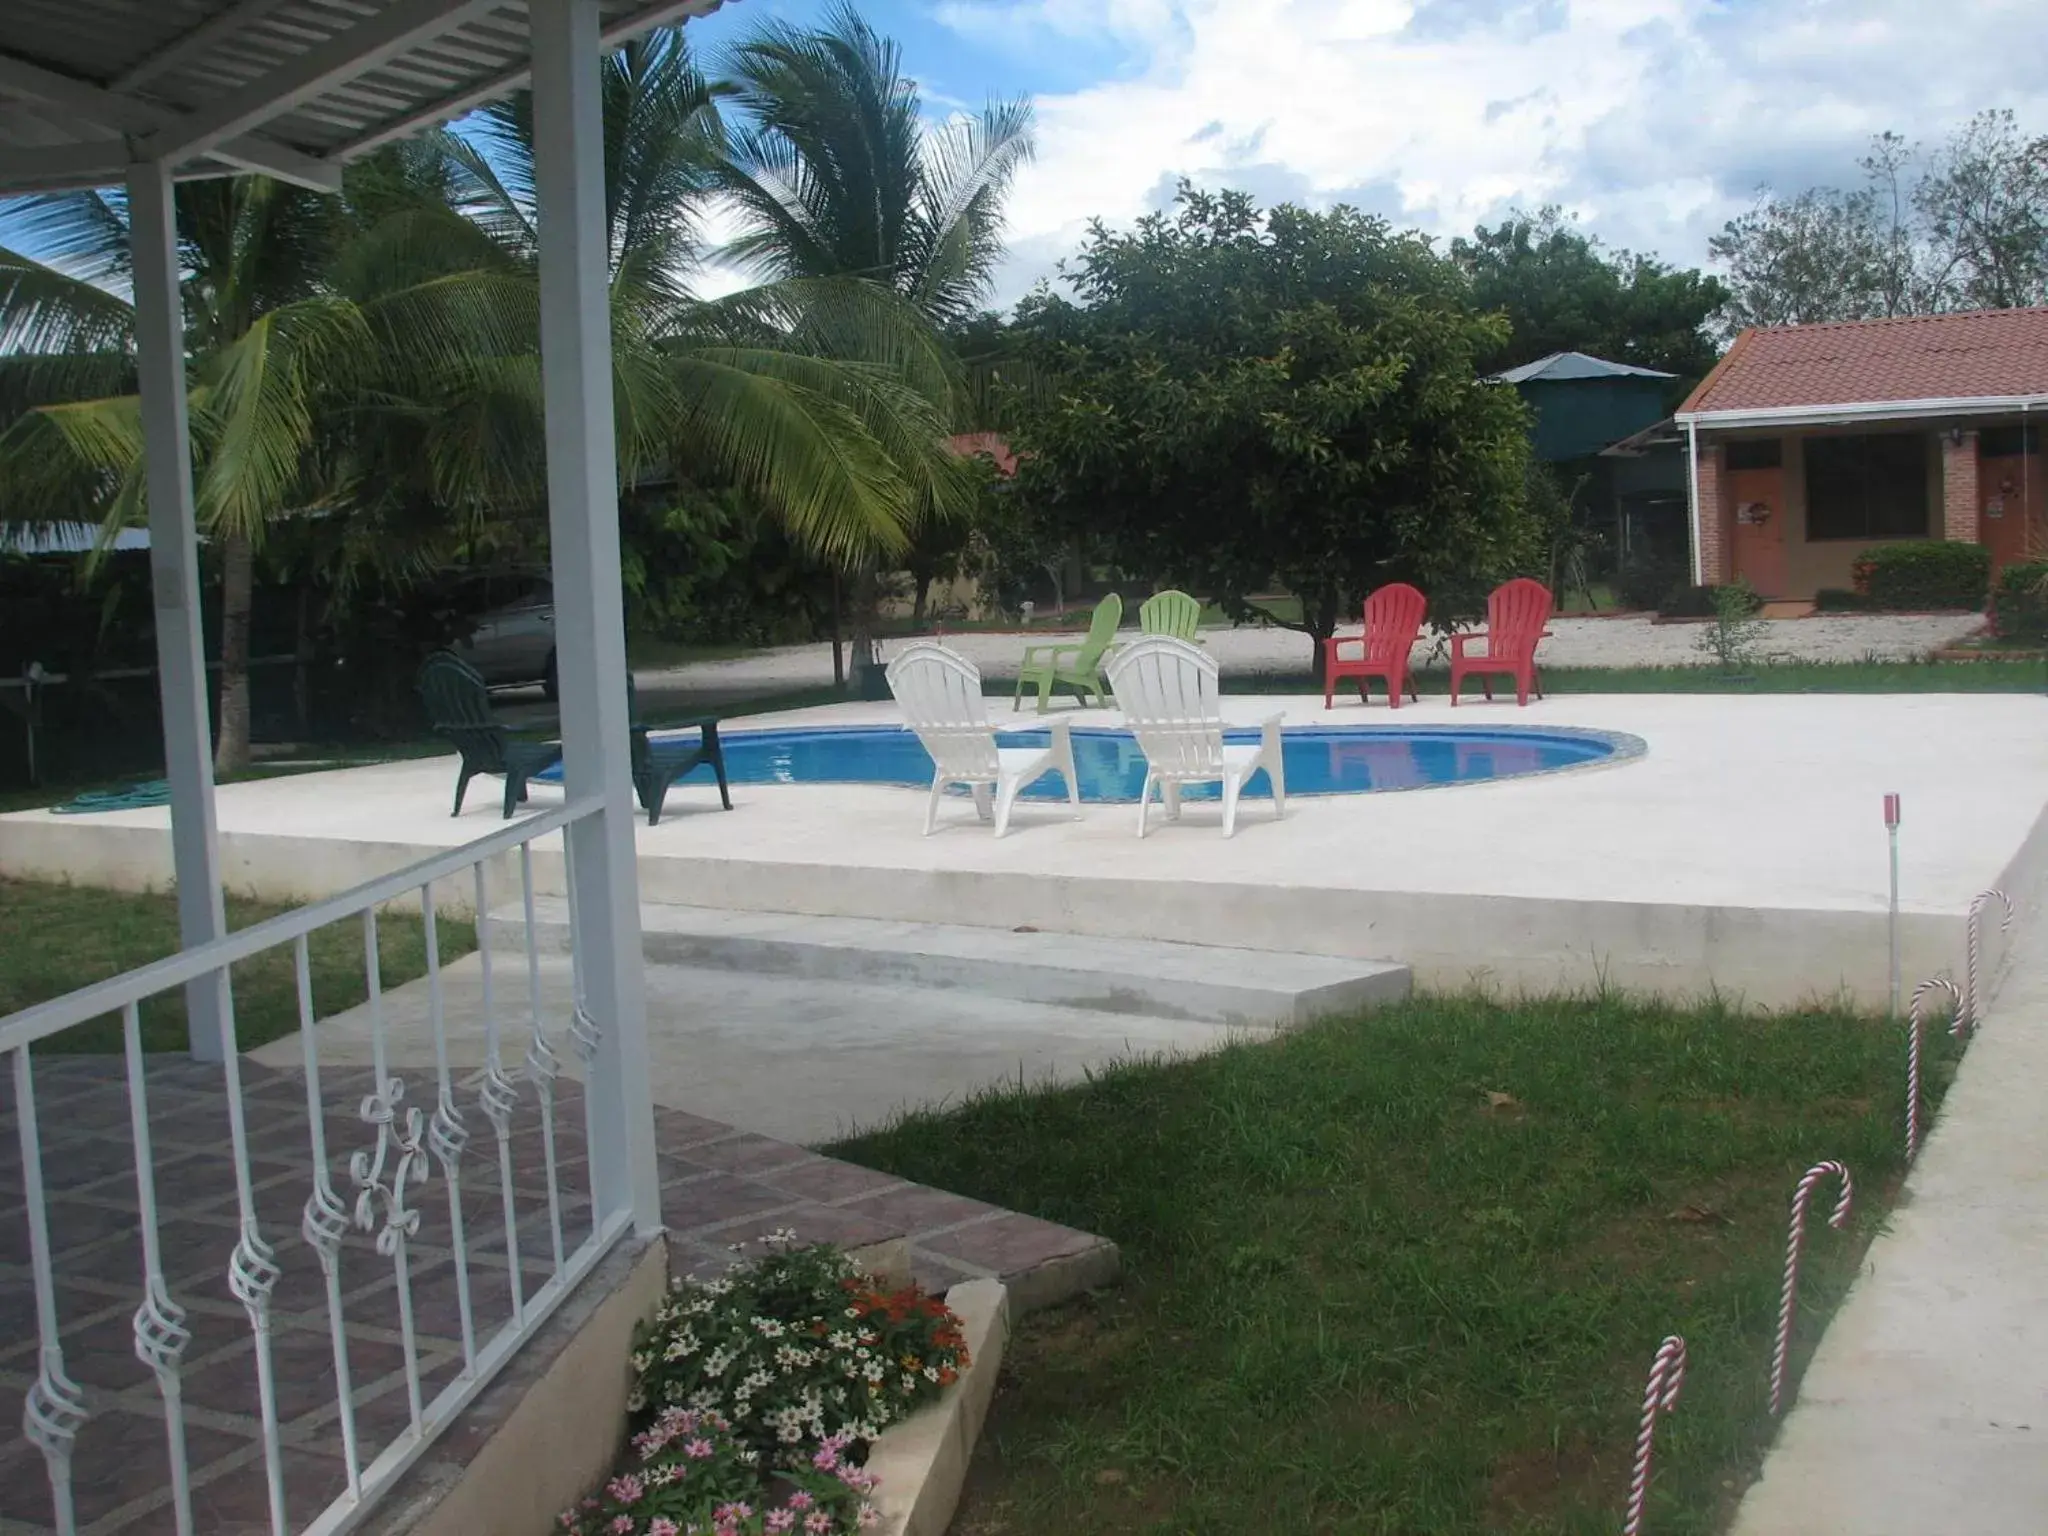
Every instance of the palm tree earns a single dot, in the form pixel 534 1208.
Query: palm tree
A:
pixel 375 358
pixel 833 172
pixel 264 338
pixel 826 396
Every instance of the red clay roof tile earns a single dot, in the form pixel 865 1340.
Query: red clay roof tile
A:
pixel 1994 352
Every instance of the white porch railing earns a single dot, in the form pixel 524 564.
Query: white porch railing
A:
pixel 386 1176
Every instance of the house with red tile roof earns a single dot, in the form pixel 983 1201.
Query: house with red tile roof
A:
pixel 1809 444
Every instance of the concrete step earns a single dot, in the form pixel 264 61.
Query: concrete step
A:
pixel 1245 988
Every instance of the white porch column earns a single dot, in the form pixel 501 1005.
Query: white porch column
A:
pixel 175 590
pixel 590 631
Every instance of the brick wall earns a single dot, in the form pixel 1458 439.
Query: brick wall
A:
pixel 1959 499
pixel 1714 530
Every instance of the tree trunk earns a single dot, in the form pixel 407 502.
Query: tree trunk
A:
pixel 838 646
pixel 302 665
pixel 861 624
pixel 917 605
pixel 238 581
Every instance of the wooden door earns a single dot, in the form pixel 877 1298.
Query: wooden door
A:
pixel 1759 548
pixel 2013 503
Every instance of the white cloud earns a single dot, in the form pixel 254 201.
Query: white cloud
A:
pixel 1655 120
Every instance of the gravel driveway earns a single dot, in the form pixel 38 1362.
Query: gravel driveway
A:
pixel 1623 642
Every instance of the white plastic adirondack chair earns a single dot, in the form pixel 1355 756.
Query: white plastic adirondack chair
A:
pixel 1168 692
pixel 940 694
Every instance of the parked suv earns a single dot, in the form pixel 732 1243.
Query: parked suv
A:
pixel 514 638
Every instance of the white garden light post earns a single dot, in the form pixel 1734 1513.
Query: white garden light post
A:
pixel 1891 831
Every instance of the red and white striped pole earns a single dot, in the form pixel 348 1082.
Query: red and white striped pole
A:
pixel 1972 1011
pixel 1921 993
pixel 1788 1299
pixel 1891 830
pixel 1660 1396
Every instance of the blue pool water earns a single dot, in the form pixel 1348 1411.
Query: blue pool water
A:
pixel 1321 760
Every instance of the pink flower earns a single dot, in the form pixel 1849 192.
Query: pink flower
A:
pixel 663 1527
pixel 732 1513
pixel 800 1500
pixel 627 1489
pixel 818 1522
pixel 869 1515
pixel 779 1519
pixel 622 1526
pixel 697 1449
pixel 827 1457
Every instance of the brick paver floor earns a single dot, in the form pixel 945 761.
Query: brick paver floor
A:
pixel 722 1190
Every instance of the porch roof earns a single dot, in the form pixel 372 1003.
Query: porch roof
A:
pixel 1973 363
pixel 291 88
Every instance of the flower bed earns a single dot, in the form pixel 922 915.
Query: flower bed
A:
pixel 757 1395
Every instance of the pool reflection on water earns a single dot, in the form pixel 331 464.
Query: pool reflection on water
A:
pixel 1321 760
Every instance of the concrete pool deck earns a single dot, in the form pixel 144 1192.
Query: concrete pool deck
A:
pixel 1743 851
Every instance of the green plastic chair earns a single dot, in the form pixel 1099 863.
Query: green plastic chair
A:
pixel 658 764
pixel 1044 669
pixel 1171 613
pixel 459 707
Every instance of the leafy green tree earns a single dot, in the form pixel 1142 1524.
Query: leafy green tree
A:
pixel 1965 227
pixel 1562 291
pixel 1245 398
pixel 1984 205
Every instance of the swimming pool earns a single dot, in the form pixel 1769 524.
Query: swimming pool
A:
pixel 1321 759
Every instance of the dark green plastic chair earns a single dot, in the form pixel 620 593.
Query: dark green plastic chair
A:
pixel 658 764
pixel 459 707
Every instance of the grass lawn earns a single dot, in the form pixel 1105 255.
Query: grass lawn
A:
pixel 57 938
pixel 1405 1273
pixel 1774 677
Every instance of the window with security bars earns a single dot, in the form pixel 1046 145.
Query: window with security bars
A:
pixel 1868 486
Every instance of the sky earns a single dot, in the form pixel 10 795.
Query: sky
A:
pixel 1655 121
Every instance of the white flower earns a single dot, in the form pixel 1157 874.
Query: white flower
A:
pixel 768 1328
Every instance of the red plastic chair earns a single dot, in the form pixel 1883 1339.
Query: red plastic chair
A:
pixel 1516 614
pixel 1393 618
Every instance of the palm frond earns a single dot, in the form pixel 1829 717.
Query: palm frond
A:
pixel 810 459
pixel 46 310
pixel 83 233
pixel 260 392
pixel 68 463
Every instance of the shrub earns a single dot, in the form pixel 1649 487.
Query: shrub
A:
pixel 2020 608
pixel 1734 637
pixel 1927 575
pixel 754 1396
pixel 1842 600
pixel 1645 582
pixel 1687 602
pixel 690 1475
pixel 797 1348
